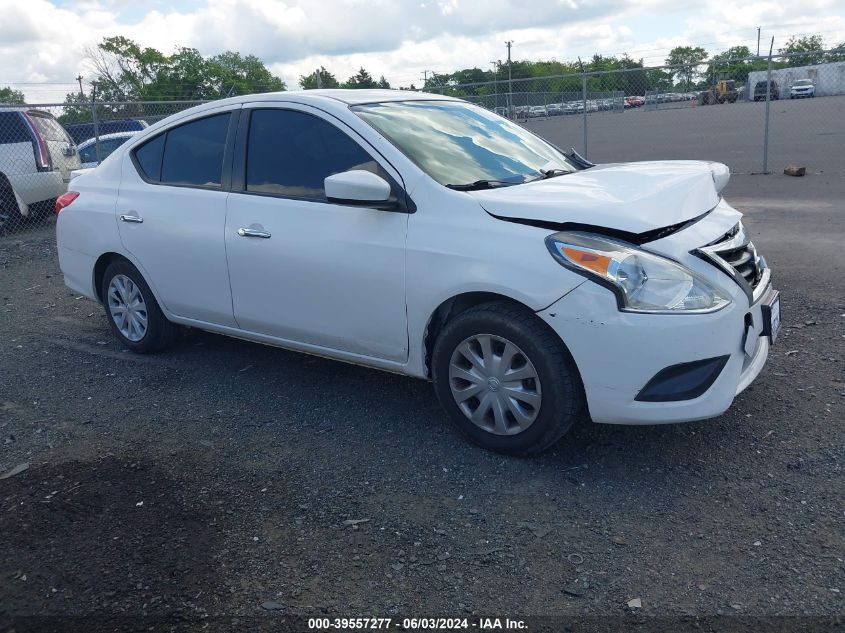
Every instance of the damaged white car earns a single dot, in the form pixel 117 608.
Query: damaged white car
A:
pixel 423 235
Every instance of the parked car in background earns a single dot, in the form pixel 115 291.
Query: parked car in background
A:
pixel 426 236
pixel 108 143
pixel 36 158
pixel 82 131
pixel 554 109
pixel 802 89
pixel 537 111
pixel 634 102
pixel 760 91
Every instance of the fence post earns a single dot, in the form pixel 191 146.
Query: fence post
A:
pixel 584 103
pixel 768 101
pixel 94 120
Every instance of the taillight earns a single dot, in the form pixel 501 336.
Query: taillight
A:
pixel 65 199
pixel 42 156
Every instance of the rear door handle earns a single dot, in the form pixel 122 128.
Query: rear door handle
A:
pixel 131 218
pixel 244 232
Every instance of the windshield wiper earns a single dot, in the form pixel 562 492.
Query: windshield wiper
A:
pixel 551 173
pixel 482 184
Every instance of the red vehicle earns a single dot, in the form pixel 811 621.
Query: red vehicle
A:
pixel 634 102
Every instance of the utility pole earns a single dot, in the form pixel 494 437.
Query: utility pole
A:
pixel 510 81
pixel 496 83
pixel 425 78
pixel 758 41
pixel 79 79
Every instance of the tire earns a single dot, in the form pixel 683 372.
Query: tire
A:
pixel 10 212
pixel 557 388
pixel 158 333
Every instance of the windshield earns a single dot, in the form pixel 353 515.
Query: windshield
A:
pixel 803 82
pixel 458 143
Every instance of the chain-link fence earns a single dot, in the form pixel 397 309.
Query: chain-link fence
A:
pixel 754 114
pixel 41 145
pixel 716 110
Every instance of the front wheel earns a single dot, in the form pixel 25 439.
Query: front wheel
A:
pixel 505 379
pixel 133 313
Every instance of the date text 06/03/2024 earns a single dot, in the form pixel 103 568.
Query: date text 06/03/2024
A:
pixel 415 624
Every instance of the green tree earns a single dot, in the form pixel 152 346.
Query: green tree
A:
pixel 803 51
pixel 10 96
pixel 77 109
pixel 124 71
pixel 361 79
pixel 735 63
pixel 238 74
pixel 658 80
pixel 686 59
pixel 383 83
pixel 327 80
pixel 837 53
pixel 184 75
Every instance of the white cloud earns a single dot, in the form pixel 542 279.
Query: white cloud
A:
pixel 40 41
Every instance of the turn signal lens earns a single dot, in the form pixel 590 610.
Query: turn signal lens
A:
pixel 587 259
pixel 65 199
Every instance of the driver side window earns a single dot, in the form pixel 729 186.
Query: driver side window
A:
pixel 290 153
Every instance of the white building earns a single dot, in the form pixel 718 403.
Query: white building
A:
pixel 829 79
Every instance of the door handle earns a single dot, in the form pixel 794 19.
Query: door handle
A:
pixel 131 218
pixel 243 232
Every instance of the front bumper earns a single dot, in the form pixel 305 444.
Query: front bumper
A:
pixel 618 353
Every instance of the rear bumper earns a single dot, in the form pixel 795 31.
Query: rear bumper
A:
pixel 37 186
pixel 618 353
pixel 78 270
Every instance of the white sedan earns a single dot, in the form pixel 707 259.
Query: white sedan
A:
pixel 426 236
pixel 107 144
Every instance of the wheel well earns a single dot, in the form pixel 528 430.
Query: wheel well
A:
pixel 100 269
pixel 451 308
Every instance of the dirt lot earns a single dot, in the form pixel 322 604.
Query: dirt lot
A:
pixel 230 486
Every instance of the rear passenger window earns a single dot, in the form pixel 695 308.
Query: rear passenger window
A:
pixel 190 154
pixel 290 153
pixel 148 157
pixel 193 152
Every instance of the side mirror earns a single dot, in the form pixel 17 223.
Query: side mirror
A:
pixel 358 188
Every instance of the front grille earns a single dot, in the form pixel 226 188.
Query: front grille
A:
pixel 735 254
pixel 744 261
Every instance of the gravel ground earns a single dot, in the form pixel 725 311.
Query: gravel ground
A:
pixel 224 479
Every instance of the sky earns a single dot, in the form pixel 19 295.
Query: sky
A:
pixel 43 44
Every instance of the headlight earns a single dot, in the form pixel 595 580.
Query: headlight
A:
pixel 642 282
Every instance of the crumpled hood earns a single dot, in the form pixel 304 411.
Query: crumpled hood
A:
pixel 630 197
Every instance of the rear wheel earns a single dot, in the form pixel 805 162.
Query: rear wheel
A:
pixel 133 313
pixel 506 379
pixel 10 212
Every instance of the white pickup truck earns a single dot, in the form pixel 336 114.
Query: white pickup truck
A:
pixel 36 158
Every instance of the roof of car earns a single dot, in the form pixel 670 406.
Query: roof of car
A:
pixel 372 96
pixel 325 98
pixel 344 95
pixel 106 137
